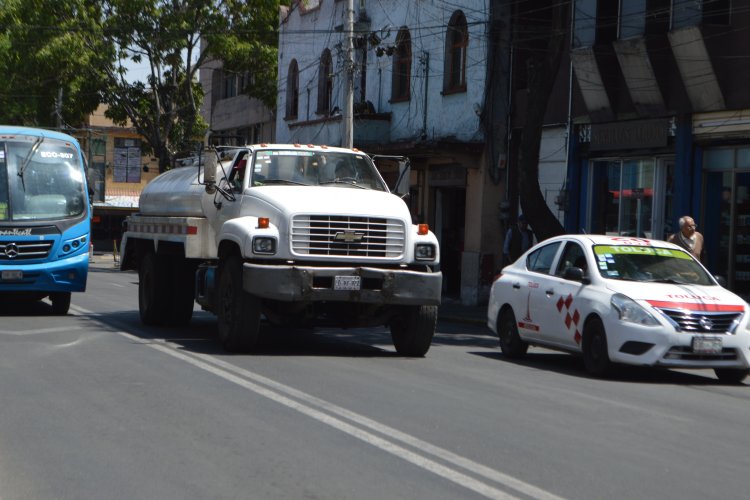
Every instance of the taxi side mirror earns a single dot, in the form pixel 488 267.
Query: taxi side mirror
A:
pixel 576 274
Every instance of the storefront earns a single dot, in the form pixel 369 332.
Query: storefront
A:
pixel 723 154
pixel 627 174
pixel 725 217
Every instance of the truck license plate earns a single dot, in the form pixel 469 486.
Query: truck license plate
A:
pixel 12 275
pixel 346 283
pixel 707 345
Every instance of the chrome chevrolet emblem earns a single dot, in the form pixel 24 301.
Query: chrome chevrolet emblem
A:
pixel 11 250
pixel 349 236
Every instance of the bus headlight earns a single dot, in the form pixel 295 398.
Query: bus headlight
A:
pixel 424 251
pixel 264 245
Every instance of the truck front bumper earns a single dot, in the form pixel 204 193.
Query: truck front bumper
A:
pixel 309 284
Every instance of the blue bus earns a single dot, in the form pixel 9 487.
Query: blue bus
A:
pixel 45 215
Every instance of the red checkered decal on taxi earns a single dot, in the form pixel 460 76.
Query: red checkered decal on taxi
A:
pixel 570 319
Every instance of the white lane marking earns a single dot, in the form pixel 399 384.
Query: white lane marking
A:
pixel 275 391
pixel 441 453
pixel 369 438
pixel 34 332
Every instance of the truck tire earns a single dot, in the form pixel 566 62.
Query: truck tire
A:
pixel 152 290
pixel 60 303
pixel 238 311
pixel 412 330
pixel 182 293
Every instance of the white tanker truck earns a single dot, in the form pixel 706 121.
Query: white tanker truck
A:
pixel 299 235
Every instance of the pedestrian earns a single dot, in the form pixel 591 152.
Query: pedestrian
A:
pixel 688 238
pixel 518 239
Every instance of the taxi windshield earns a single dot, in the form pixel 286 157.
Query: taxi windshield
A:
pixel 40 179
pixel 315 168
pixel 649 264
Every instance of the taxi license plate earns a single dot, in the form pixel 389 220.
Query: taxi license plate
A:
pixel 12 275
pixel 707 345
pixel 346 283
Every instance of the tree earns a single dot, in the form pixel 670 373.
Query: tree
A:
pixel 543 67
pixel 44 61
pixel 175 37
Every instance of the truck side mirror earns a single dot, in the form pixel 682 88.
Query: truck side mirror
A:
pixel 404 178
pixel 209 170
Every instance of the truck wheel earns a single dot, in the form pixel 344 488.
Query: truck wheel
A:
pixel 182 294
pixel 60 303
pixel 152 290
pixel 413 329
pixel 237 310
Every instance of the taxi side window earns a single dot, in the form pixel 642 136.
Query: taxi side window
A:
pixel 541 259
pixel 572 256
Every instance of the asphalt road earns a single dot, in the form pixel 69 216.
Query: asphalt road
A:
pixel 96 406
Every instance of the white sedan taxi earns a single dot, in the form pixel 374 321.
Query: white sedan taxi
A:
pixel 620 300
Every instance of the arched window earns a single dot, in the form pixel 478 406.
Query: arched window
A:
pixel 292 91
pixel 456 41
pixel 400 90
pixel 325 83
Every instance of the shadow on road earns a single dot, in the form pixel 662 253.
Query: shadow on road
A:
pixel 572 365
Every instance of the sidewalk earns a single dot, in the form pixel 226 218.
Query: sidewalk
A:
pixel 449 310
pixel 453 310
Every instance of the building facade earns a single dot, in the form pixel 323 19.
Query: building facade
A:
pixel 653 96
pixel 420 78
pixel 118 172
pixel 233 117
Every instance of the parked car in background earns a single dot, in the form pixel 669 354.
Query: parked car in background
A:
pixel 620 300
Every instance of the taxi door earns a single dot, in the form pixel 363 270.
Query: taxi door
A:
pixel 531 303
pixel 562 321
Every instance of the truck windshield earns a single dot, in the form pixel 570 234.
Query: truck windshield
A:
pixel 315 168
pixel 40 179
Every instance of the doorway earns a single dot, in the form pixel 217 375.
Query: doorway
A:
pixel 450 211
pixel 726 227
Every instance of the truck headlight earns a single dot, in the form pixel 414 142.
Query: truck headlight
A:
pixel 424 251
pixel 264 245
pixel 630 311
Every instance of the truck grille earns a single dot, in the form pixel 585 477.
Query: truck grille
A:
pixel 24 250
pixel 348 236
pixel 703 322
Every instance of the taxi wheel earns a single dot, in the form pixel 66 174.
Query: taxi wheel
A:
pixel 510 342
pixel 731 375
pixel 595 355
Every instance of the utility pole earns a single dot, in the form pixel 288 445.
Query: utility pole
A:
pixel 347 132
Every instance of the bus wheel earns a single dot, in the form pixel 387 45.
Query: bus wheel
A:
pixel 60 303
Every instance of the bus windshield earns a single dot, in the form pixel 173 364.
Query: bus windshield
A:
pixel 40 179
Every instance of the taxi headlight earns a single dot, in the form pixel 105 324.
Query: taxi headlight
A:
pixel 424 251
pixel 630 311
pixel 264 245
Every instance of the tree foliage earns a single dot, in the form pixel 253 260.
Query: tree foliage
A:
pixel 174 38
pixel 43 56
